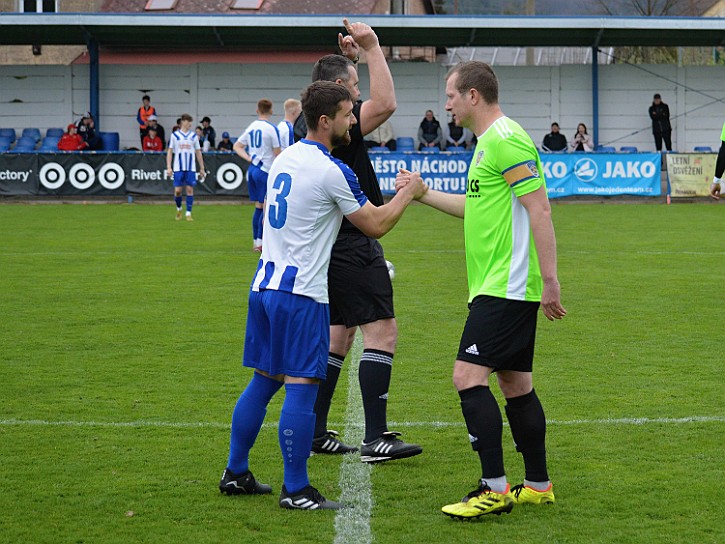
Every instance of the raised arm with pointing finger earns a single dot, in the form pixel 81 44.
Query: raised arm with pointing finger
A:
pixel 381 104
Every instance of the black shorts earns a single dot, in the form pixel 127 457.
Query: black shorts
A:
pixel 500 334
pixel 358 282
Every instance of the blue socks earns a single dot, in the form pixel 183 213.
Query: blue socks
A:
pixel 189 203
pixel 177 199
pixel 247 419
pixel 257 219
pixel 296 427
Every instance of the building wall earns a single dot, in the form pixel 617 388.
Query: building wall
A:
pixel 52 96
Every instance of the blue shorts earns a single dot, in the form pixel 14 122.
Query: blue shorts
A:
pixel 186 177
pixel 257 182
pixel 287 334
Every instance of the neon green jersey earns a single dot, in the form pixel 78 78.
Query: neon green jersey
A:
pixel 722 136
pixel 500 253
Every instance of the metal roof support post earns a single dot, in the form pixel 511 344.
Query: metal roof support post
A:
pixel 94 84
pixel 595 96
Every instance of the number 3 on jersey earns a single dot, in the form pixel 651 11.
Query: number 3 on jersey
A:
pixel 278 210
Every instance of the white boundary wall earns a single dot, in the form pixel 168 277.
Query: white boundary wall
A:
pixel 53 96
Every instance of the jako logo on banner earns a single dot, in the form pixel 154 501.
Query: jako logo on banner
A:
pixel 586 170
pixel 81 176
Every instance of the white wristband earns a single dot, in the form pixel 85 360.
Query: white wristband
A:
pixel 715 180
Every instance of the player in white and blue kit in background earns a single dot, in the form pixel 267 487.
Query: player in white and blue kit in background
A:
pixel 259 145
pixel 292 110
pixel 185 151
pixel 288 335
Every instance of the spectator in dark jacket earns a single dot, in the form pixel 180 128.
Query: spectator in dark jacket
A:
pixel 87 130
pixel 209 132
pixel 430 133
pixel 226 143
pixel 659 112
pixel 555 140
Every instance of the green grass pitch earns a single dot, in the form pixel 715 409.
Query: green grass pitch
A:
pixel 120 348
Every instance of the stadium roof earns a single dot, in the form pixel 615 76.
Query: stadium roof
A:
pixel 310 31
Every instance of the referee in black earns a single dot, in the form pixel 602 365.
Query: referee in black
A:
pixel 361 294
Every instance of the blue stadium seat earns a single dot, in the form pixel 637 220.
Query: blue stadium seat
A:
pixel 430 149
pixel 703 148
pixel 8 133
pixel 378 149
pixel 405 143
pixel 628 149
pixel 455 148
pixel 5 143
pixel 24 143
pixel 54 132
pixel 33 133
pixel 606 149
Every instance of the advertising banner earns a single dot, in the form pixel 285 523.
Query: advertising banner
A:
pixel 74 174
pixel 575 174
pixel 690 174
pixel 112 174
pixel 18 174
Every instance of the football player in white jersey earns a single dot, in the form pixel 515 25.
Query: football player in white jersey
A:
pixel 185 151
pixel 288 335
pixel 292 110
pixel 259 145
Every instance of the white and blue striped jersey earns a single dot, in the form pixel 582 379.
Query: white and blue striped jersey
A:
pixel 308 192
pixel 184 146
pixel 260 138
pixel 286 134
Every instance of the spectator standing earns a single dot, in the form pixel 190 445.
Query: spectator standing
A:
pixel 152 142
pixel 429 132
pixel 143 114
pixel 716 186
pixel 259 145
pixel 555 140
pixel 582 141
pixel 209 132
pixel 185 151
pixel 292 110
pixel 512 272
pixel 659 112
pixel 382 137
pixel 160 132
pixel 457 135
pixel 225 144
pixel 71 140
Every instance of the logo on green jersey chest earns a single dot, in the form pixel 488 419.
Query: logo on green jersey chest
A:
pixel 473 188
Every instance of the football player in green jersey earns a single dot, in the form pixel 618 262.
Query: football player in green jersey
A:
pixel 512 272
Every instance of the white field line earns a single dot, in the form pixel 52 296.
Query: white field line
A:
pixel 432 424
pixel 353 524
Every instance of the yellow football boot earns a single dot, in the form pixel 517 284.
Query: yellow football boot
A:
pixel 523 494
pixel 478 503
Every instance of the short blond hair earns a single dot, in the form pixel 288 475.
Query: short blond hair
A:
pixel 292 105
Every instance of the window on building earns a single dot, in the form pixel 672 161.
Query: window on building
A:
pixel 158 5
pixel 39 6
pixel 246 4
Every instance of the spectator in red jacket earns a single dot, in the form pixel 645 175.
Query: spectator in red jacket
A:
pixel 152 142
pixel 71 140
